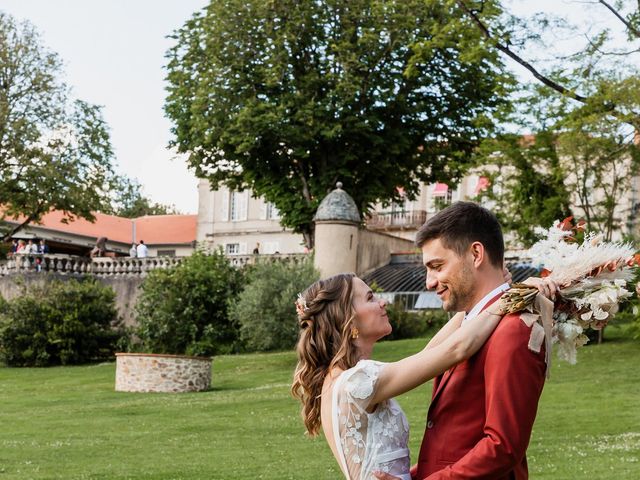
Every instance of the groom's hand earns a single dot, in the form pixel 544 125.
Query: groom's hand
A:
pixel 384 476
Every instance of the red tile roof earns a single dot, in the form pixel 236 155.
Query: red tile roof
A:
pixel 160 229
pixel 165 229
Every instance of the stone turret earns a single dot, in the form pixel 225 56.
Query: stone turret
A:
pixel 336 234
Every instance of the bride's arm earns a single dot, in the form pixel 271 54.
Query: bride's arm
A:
pixel 401 376
pixel 449 327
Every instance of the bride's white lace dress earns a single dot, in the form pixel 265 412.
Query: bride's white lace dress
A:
pixel 367 442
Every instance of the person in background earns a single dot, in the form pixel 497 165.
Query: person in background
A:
pixel 100 249
pixel 32 247
pixel 133 251
pixel 43 247
pixel 40 248
pixel 14 246
pixel 142 250
pixel 256 250
pixel 22 247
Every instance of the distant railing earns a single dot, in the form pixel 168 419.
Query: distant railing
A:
pixel 115 266
pixel 241 260
pixel 399 220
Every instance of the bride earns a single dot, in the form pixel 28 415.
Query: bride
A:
pixel 350 396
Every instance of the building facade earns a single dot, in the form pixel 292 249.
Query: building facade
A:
pixel 241 224
pixel 238 222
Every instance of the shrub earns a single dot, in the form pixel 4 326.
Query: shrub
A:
pixel 183 310
pixel 410 324
pixel 265 308
pixel 61 323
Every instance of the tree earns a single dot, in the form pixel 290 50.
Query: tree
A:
pixel 527 180
pixel 55 153
pixel 287 97
pixel 184 310
pixel 129 201
pixel 265 309
pixel 600 159
pixel 588 106
pixel 601 76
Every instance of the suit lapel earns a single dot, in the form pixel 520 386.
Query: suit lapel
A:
pixel 444 378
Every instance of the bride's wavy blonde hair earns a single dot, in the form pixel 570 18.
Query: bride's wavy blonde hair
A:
pixel 325 315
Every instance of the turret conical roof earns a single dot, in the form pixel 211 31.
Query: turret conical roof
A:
pixel 337 205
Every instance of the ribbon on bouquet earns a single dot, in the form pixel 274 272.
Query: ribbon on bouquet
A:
pixel 540 320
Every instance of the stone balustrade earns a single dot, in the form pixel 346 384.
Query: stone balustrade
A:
pixel 70 264
pixel 116 266
pixel 241 260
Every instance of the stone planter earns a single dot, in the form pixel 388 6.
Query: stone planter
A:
pixel 148 372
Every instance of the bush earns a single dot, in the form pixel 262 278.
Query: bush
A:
pixel 183 310
pixel 61 323
pixel 409 324
pixel 265 309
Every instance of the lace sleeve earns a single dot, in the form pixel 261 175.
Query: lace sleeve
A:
pixel 360 383
pixel 352 398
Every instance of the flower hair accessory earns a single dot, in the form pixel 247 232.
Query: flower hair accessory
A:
pixel 301 305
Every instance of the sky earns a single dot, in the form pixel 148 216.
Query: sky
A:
pixel 113 52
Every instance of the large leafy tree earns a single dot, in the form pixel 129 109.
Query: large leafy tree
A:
pixel 583 100
pixel 55 153
pixel 287 97
pixel 527 180
pixel 598 70
pixel 601 160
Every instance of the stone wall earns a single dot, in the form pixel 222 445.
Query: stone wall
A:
pixel 138 372
pixel 125 288
pixel 375 249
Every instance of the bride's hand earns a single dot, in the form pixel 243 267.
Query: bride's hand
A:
pixel 546 286
pixel 507 275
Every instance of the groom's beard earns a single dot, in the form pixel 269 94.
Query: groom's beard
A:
pixel 461 288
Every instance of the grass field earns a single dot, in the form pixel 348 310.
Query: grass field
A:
pixel 68 423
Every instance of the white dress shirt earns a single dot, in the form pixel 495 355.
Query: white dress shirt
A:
pixel 477 308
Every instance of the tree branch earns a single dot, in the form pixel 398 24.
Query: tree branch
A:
pixel 7 236
pixel 631 28
pixel 510 53
pixel 610 109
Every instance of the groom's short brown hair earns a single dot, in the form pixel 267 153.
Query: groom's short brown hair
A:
pixel 461 224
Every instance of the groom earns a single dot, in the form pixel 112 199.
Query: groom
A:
pixel 482 410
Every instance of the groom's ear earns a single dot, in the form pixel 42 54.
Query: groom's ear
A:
pixel 478 253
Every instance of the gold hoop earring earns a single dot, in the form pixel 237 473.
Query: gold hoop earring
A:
pixel 354 332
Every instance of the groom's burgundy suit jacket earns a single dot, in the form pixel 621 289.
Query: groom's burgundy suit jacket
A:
pixel 482 410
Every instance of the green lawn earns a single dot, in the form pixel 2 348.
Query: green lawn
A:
pixel 68 423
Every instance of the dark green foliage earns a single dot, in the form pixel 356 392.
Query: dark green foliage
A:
pixel 411 324
pixel 183 310
pixel 528 185
pixel 287 97
pixel 61 323
pixel 265 309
